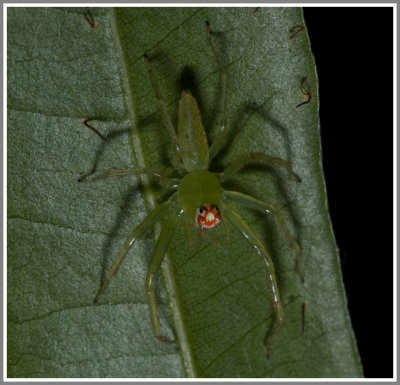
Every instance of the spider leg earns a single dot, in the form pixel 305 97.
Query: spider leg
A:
pixel 159 212
pixel 217 144
pixel 163 242
pixel 238 222
pixel 206 234
pixel 231 170
pixel 265 208
pixel 163 106
pixel 194 241
pixel 164 180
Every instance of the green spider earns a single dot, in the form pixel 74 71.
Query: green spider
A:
pixel 199 200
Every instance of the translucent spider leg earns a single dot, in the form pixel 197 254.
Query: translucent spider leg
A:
pixel 164 180
pixel 159 212
pixel 238 222
pixel 217 144
pixel 265 208
pixel 163 242
pixel 163 106
pixel 255 157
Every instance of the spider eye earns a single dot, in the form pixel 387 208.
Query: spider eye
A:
pixel 208 216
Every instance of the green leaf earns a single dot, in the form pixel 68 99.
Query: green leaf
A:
pixel 62 236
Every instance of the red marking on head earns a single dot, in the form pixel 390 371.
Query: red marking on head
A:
pixel 208 216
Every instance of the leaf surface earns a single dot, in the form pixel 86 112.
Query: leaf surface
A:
pixel 62 236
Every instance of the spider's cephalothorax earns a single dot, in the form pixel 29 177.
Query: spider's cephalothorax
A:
pixel 199 195
pixel 200 198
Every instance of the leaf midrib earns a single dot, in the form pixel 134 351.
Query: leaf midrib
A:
pixel 137 152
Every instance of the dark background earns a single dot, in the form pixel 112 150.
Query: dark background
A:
pixel 353 50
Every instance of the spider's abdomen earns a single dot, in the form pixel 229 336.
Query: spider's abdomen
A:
pixel 194 151
pixel 199 189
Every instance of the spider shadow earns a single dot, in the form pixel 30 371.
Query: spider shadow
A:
pixel 187 81
pixel 271 230
pixel 163 139
pixel 243 118
pixel 103 146
pixel 128 200
pixel 220 41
